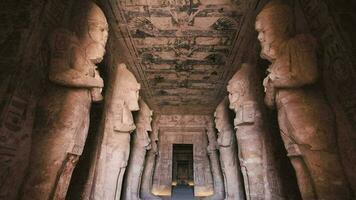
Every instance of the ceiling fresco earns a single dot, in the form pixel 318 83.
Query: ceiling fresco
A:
pixel 182 50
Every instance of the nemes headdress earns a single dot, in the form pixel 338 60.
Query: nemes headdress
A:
pixel 145 113
pixel 126 81
pixel 222 112
pixel 279 17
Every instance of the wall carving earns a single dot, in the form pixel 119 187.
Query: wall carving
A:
pixel 179 48
pixel 22 28
pixel 182 129
pixel 337 64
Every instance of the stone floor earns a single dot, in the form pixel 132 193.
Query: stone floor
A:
pixel 183 192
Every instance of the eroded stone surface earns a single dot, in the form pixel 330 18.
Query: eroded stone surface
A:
pixel 58 141
pixel 258 167
pixel 118 123
pixel 25 42
pixel 150 163
pixel 306 122
pixel 140 144
pixel 230 164
pixel 219 190
pixel 335 37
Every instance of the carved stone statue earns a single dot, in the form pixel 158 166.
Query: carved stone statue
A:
pixel 150 163
pixel 260 177
pixel 117 125
pixel 230 165
pixel 305 119
pixel 141 143
pixel 62 124
pixel 219 192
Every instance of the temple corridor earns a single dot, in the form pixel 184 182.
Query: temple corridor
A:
pixel 177 100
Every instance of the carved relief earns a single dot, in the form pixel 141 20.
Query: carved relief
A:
pixel 251 137
pixel 182 129
pixel 230 164
pixel 58 139
pixel 141 143
pixel 339 73
pixel 182 120
pixel 118 123
pixel 16 125
pixel 181 44
pixel 144 28
pixel 305 119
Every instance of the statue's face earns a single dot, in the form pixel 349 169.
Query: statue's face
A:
pixel 236 91
pixel 233 98
pixel 218 122
pixel 267 37
pixel 147 141
pixel 98 31
pixel 149 127
pixel 154 147
pixel 147 120
pixel 132 96
pixel 97 35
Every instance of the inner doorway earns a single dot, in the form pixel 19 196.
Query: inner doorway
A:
pixel 182 172
pixel 183 164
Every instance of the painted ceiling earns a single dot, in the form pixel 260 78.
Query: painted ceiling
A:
pixel 182 51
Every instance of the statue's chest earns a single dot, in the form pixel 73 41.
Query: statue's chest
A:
pixel 84 65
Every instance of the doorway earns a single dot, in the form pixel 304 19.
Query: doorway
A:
pixel 182 164
pixel 182 172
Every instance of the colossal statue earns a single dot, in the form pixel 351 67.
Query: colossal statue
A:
pixel 259 172
pixel 141 143
pixel 305 119
pixel 219 192
pixel 234 189
pixel 150 163
pixel 118 123
pixel 62 124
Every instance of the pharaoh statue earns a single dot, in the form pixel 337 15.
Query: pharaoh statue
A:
pixel 305 119
pixel 63 120
pixel 230 165
pixel 260 177
pixel 118 123
pixel 219 192
pixel 140 144
pixel 150 163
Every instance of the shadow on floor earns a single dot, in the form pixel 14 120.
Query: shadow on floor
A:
pixel 183 192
